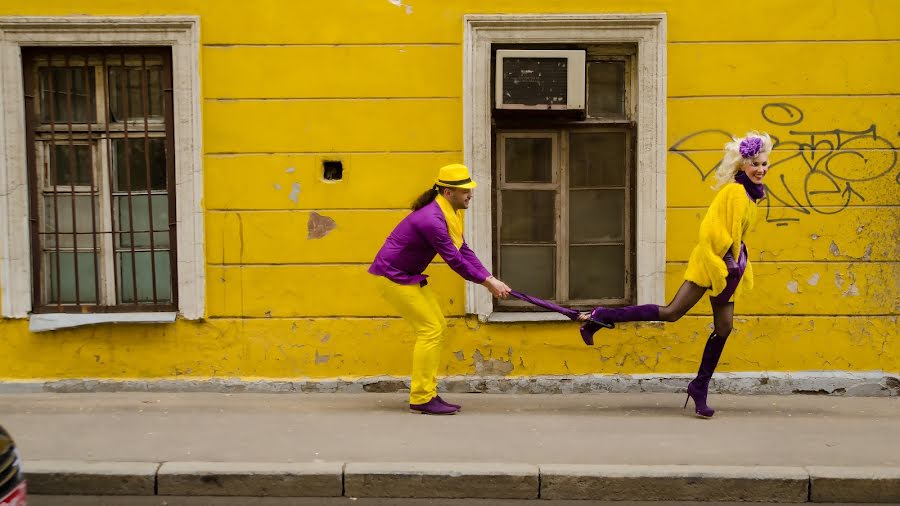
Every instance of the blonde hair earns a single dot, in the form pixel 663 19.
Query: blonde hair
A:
pixel 732 160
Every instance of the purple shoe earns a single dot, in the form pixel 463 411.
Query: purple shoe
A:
pixel 432 407
pixel 445 403
pixel 590 328
pixel 698 393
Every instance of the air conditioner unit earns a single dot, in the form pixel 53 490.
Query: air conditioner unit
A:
pixel 540 79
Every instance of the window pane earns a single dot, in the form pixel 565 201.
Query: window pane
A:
pixel 137 162
pixel 82 220
pixel 606 88
pixel 144 277
pixel 87 286
pixel 140 221
pixel 596 216
pixel 530 269
pixel 72 96
pixel 596 272
pixel 528 216
pixel 528 160
pixel 126 96
pixel 70 164
pixel 597 159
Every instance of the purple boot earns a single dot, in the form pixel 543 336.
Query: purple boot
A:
pixel 590 328
pixel 643 313
pixel 608 317
pixel 433 407
pixel 698 388
pixel 445 403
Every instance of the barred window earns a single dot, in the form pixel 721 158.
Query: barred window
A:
pixel 101 179
pixel 564 192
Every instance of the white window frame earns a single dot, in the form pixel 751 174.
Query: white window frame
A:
pixel 182 35
pixel 648 33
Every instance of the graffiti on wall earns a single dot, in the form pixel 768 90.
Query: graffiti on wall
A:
pixel 817 171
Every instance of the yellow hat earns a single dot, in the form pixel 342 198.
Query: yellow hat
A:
pixel 455 175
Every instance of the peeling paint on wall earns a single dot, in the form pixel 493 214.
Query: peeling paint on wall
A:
pixel 295 193
pixel 813 280
pixel 318 226
pixel 399 3
pixel 793 286
pixel 852 290
pixel 835 250
pixel 491 366
pixel 322 359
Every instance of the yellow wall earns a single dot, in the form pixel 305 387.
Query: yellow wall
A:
pixel 379 86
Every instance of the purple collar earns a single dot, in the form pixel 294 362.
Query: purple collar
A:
pixel 756 191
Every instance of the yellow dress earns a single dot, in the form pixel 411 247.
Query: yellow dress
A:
pixel 724 227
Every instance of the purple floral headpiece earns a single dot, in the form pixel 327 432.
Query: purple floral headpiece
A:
pixel 751 146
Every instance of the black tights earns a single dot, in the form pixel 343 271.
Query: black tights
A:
pixel 687 297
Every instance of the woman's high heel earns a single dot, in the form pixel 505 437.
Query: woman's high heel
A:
pixel 698 394
pixel 698 388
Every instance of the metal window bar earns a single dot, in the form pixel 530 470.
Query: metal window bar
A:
pixel 145 106
pixel 73 175
pixel 55 198
pixel 126 89
pixel 46 102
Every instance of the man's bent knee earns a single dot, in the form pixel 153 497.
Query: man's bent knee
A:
pixel 431 331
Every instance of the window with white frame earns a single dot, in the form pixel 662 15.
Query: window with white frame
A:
pixel 626 53
pixel 101 174
pixel 83 166
pixel 564 186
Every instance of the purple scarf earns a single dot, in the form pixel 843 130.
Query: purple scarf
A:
pixel 756 191
pixel 570 313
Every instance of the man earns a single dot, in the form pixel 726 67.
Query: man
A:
pixel 435 227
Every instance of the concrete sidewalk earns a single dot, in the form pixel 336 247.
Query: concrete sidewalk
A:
pixel 587 446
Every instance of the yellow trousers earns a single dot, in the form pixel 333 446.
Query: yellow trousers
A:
pixel 419 307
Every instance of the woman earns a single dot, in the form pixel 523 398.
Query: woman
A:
pixel 718 263
pixel 435 227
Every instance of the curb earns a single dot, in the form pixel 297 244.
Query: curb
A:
pixel 854 484
pixel 250 479
pixel 837 383
pixel 445 480
pixel 468 480
pixel 62 477
pixel 675 483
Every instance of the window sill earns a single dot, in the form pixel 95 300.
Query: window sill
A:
pixel 524 316
pixel 54 321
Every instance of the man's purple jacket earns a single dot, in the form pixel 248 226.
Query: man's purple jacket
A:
pixel 413 245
